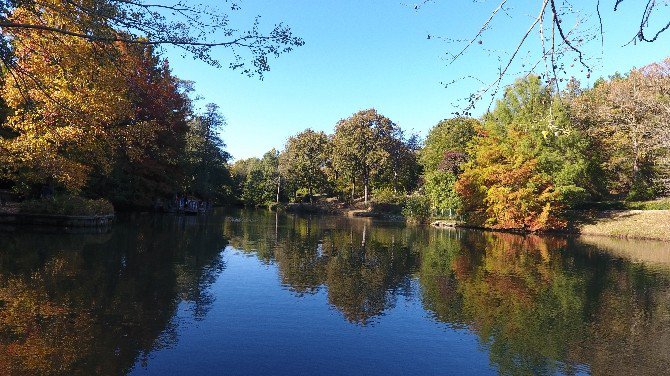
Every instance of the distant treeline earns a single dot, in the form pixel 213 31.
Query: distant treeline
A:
pixel 110 120
pixel 522 165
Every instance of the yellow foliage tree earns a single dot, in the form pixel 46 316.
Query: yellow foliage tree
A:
pixel 67 101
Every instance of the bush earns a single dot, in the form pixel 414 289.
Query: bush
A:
pixel 387 196
pixel 67 205
pixel 417 209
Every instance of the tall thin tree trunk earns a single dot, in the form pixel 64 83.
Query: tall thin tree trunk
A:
pixel 278 187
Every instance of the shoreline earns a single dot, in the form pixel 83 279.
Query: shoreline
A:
pixel 621 224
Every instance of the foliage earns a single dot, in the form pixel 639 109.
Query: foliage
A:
pixel 67 205
pixel 417 208
pixel 387 196
pixel 448 136
pixel 256 179
pixel 150 152
pixel 303 161
pixel 195 29
pixel 660 204
pixel 205 158
pixel 439 189
pixel 362 147
pixel 64 132
pixel 628 117
pixel 527 165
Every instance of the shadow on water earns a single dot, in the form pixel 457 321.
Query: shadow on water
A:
pixel 91 304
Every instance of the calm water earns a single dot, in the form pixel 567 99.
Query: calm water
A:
pixel 245 293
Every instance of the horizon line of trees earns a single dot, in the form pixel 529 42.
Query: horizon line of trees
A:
pixel 367 152
pixel 523 165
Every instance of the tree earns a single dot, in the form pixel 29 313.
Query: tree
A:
pixel 449 135
pixel 205 158
pixel 404 170
pixel 256 179
pixel 149 152
pixel 304 159
pixel 361 145
pixel 194 28
pixel 528 163
pixel 63 133
pixel 628 116
pixel 441 157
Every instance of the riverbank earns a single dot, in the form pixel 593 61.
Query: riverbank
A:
pixel 58 211
pixel 629 224
pixel 624 224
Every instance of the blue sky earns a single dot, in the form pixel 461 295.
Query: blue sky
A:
pixel 361 54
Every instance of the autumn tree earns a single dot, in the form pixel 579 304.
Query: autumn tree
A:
pixel 149 151
pixel 361 147
pixel 196 29
pixel 303 160
pixel 527 164
pixel 628 117
pixel 67 104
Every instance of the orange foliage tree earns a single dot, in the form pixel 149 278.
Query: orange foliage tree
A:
pixel 526 165
pixel 66 99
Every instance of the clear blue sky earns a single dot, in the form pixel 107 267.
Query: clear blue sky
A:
pixel 361 54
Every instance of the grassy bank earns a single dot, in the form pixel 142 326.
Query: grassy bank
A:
pixel 60 205
pixel 634 224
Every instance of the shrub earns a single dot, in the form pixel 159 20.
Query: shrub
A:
pixel 439 188
pixel 417 209
pixel 387 196
pixel 67 205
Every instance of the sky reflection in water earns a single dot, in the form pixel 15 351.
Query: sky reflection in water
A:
pixel 258 293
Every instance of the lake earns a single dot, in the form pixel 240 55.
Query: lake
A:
pixel 254 292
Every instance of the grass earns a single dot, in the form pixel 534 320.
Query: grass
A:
pixel 659 204
pixel 634 224
pixel 66 205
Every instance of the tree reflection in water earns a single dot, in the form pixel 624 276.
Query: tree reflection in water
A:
pixel 539 305
pixel 92 304
pixel 95 304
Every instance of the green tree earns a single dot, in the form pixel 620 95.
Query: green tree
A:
pixel 448 135
pixel 205 158
pixel 256 179
pixel 361 147
pixel 304 158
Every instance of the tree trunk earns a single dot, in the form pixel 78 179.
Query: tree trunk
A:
pixel 278 187
pixel 366 183
pixel 353 189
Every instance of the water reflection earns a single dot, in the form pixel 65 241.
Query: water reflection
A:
pixel 95 304
pixel 540 305
pixel 101 304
